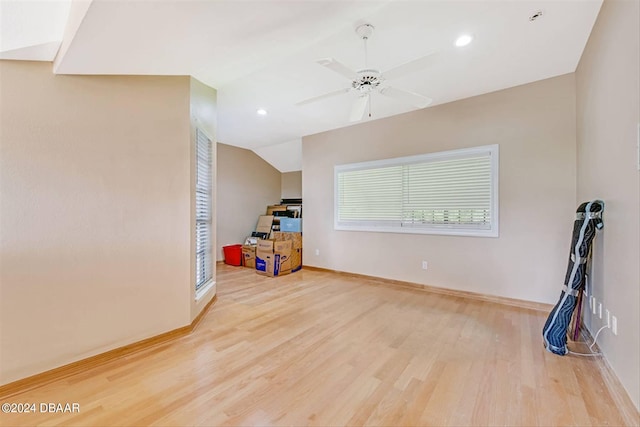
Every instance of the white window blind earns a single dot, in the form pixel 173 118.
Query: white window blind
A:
pixel 203 209
pixel 453 192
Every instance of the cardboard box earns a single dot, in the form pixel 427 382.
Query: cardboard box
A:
pixel 264 224
pixel 249 256
pixel 296 260
pixel 273 258
pixel 296 238
pixel 296 247
pixel 291 225
pixel 283 249
pixel 271 209
pixel 264 245
pixel 264 249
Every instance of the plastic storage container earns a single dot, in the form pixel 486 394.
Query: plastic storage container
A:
pixel 233 254
pixel 291 225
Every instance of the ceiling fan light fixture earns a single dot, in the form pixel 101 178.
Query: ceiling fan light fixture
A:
pixel 367 81
pixel 365 30
pixel 463 40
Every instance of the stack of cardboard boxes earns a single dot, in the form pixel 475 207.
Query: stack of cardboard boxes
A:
pixel 278 252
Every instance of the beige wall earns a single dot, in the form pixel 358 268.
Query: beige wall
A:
pixel 94 214
pixel 291 186
pixel 203 105
pixel 534 125
pixel 246 184
pixel 608 113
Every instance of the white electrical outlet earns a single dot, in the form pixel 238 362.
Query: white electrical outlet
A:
pixel 317 251
pixel 608 317
pixel 600 310
pixel 614 325
pixel 425 265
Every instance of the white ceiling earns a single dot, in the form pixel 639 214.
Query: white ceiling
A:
pixel 32 30
pixel 261 54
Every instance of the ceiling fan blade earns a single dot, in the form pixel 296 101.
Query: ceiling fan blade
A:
pixel 321 97
pixel 338 67
pixel 410 67
pixel 406 97
pixel 359 108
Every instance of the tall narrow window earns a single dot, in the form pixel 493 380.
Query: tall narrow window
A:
pixel 452 192
pixel 203 209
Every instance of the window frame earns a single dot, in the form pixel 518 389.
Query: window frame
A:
pixel 437 229
pixel 202 286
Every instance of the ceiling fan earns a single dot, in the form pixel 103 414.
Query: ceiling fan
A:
pixel 366 81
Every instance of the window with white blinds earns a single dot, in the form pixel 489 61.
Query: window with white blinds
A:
pixel 452 192
pixel 203 209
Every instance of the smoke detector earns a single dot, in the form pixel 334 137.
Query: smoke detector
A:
pixel 537 14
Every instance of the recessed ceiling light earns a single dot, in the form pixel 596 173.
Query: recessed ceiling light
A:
pixel 262 112
pixel 463 40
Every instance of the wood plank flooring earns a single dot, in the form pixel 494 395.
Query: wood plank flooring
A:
pixel 323 349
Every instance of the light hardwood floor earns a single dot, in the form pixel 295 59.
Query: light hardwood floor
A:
pixel 319 348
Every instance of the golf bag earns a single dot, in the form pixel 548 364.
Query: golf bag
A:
pixel 588 221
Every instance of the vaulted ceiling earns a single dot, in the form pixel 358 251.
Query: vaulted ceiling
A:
pixel 262 54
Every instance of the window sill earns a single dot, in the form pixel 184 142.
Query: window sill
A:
pixel 444 231
pixel 200 293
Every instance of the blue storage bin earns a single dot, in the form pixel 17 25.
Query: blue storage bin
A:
pixel 291 225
